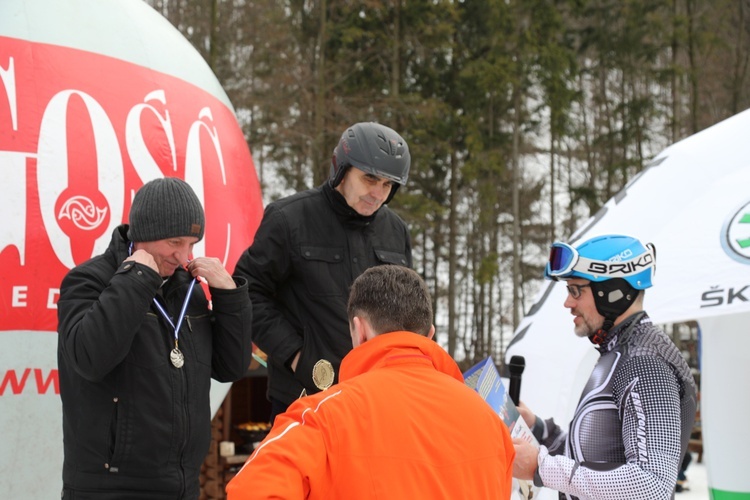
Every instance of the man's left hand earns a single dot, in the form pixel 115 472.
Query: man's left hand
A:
pixel 525 463
pixel 211 269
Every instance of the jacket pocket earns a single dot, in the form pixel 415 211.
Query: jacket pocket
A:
pixel 323 270
pixel 200 335
pixel 314 349
pixel 112 455
pixel 390 257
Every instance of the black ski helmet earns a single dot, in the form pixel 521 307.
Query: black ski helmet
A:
pixel 372 148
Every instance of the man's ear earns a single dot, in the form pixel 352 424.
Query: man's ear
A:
pixel 432 332
pixel 357 329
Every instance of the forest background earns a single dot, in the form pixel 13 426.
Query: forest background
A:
pixel 523 117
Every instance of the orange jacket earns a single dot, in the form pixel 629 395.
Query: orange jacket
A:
pixel 401 424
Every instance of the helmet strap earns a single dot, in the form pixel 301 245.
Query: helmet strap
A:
pixel 394 188
pixel 600 336
pixel 336 177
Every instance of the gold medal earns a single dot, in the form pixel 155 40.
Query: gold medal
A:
pixel 322 374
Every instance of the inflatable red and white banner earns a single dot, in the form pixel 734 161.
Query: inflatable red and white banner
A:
pixel 97 97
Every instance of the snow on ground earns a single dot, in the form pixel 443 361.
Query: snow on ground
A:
pixel 697 482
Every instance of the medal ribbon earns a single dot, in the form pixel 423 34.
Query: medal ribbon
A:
pixel 164 313
pixel 182 312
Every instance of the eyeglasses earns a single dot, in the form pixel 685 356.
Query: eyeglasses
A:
pixel 575 290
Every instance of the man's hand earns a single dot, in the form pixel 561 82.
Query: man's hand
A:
pixel 525 463
pixel 527 414
pixel 145 258
pixel 295 361
pixel 210 269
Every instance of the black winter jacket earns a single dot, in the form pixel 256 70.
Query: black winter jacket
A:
pixel 134 426
pixel 308 250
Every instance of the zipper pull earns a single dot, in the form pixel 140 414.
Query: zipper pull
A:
pixel 187 320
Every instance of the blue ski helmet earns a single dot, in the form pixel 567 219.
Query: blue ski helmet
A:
pixel 603 258
pixel 617 266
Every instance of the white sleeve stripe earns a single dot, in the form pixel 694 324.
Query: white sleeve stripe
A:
pixel 290 427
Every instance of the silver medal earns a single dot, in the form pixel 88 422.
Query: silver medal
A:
pixel 177 358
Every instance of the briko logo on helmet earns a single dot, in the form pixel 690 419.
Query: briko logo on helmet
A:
pixel 614 269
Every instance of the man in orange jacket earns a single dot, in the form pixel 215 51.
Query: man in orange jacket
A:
pixel 400 424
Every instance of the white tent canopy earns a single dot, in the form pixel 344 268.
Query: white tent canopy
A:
pixel 693 203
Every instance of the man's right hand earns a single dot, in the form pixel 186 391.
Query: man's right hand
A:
pixel 295 361
pixel 145 258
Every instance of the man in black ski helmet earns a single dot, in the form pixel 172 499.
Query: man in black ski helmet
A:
pixel 308 250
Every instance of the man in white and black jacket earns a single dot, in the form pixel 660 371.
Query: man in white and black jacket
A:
pixel 632 425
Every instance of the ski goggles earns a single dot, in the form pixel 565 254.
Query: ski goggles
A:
pixel 562 260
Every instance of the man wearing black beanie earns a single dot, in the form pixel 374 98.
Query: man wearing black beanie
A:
pixel 138 346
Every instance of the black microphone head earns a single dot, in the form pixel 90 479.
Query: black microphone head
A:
pixel 516 365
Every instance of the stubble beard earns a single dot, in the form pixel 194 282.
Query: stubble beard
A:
pixel 587 328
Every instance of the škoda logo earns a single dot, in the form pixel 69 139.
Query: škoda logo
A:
pixel 735 234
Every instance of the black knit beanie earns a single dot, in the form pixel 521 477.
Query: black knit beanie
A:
pixel 165 208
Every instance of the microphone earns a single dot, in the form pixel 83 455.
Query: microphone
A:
pixel 516 366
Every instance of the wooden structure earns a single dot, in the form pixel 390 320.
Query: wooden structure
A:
pixel 246 401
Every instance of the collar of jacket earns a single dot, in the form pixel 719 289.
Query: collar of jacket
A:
pixel 346 214
pixel 118 245
pixel 394 348
pixel 620 334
